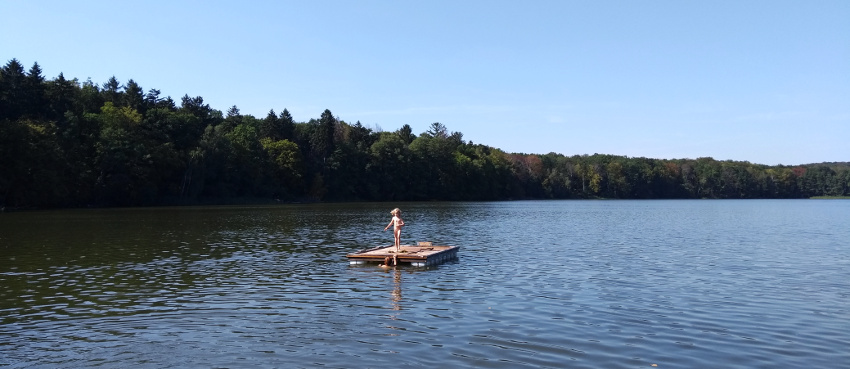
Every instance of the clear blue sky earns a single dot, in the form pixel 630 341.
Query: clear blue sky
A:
pixel 760 81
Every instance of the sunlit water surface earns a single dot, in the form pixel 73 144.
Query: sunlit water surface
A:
pixel 578 284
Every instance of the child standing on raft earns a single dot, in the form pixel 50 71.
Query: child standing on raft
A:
pixel 397 223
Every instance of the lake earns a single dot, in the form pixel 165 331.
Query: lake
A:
pixel 578 284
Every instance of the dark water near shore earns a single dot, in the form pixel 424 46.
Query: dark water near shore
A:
pixel 578 284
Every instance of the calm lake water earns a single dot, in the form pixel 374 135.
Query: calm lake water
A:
pixel 562 284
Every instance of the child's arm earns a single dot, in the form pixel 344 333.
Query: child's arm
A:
pixel 388 225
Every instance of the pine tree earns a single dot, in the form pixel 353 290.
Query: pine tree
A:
pixel 134 96
pixel 287 126
pixel 323 136
pixel 112 91
pixel 12 90
pixel 269 128
pixel 34 92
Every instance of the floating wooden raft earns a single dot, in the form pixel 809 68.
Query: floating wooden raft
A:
pixel 421 254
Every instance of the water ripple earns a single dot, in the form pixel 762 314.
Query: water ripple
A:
pixel 614 284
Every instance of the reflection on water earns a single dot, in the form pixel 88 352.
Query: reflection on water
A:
pixel 395 299
pixel 612 284
pixel 396 295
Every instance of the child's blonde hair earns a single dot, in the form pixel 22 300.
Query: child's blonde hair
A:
pixel 395 211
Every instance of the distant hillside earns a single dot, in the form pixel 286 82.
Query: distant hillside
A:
pixel 66 143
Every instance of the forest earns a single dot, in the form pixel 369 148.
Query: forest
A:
pixel 66 143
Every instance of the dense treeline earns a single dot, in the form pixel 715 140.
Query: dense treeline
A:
pixel 64 143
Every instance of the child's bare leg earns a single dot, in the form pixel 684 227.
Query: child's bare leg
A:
pixel 396 234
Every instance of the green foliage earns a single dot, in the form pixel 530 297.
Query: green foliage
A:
pixel 323 136
pixel 13 93
pixel 285 166
pixel 391 164
pixel 66 143
pixel 111 91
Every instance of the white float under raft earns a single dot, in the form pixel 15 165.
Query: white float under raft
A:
pixel 421 254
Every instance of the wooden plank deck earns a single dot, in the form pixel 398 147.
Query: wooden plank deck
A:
pixel 421 254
